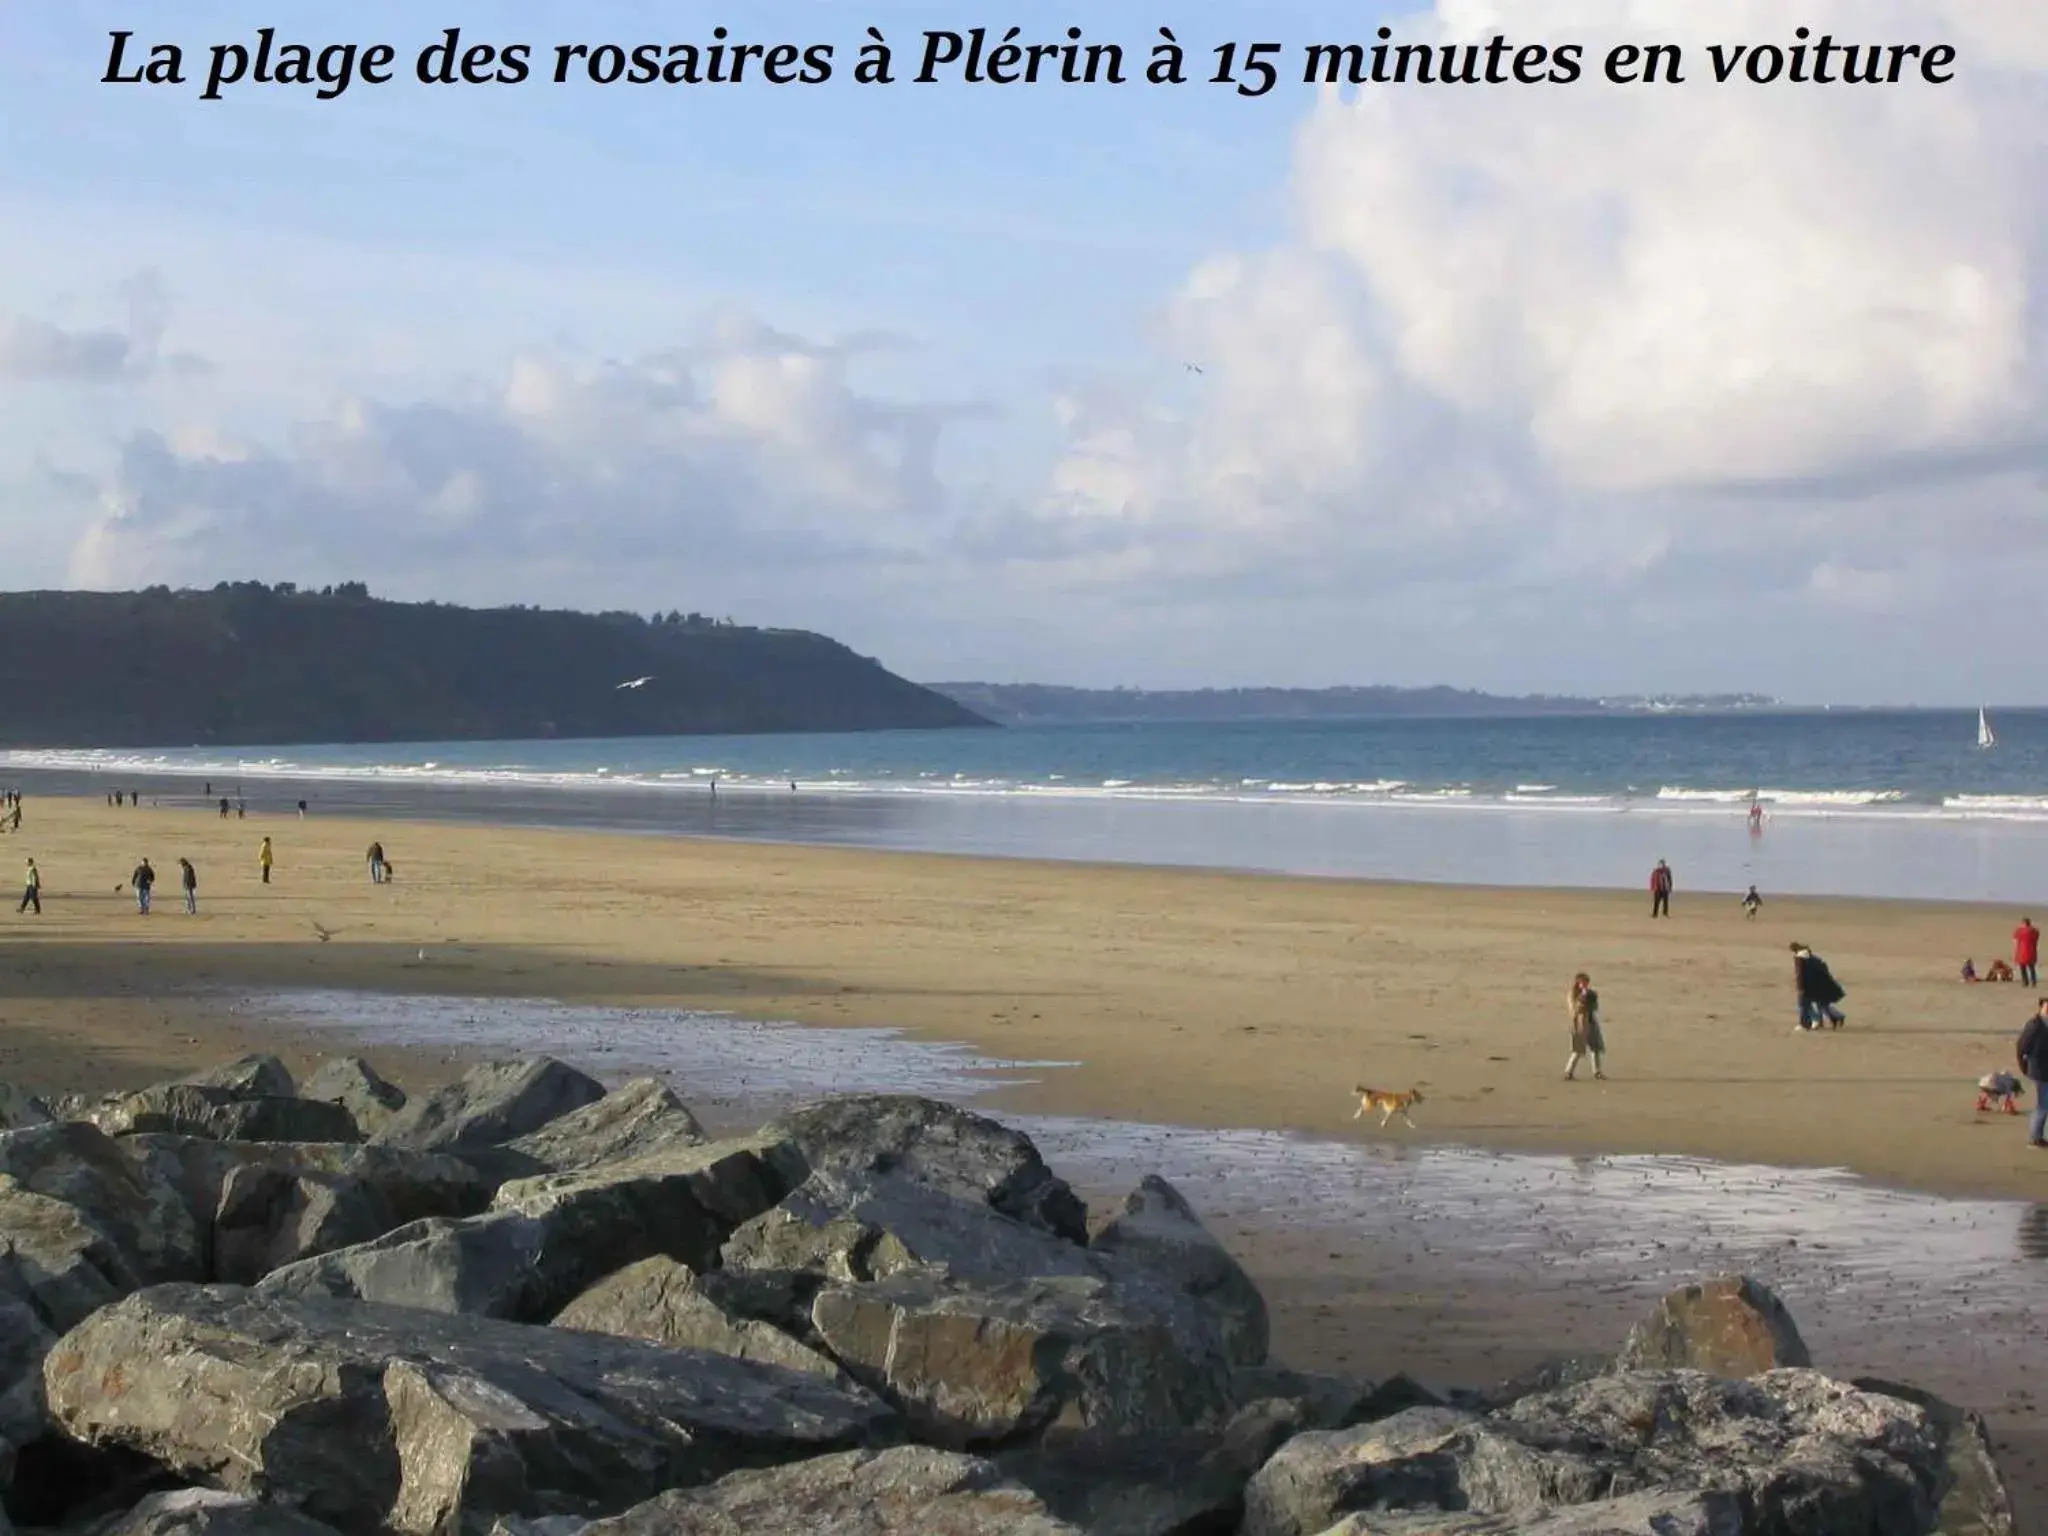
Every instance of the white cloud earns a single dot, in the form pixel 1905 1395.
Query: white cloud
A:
pixel 748 447
pixel 1582 329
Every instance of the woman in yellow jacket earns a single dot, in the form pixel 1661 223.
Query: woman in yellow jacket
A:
pixel 264 859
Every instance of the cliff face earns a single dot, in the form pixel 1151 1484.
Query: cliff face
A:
pixel 253 665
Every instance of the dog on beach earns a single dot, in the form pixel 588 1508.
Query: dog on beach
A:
pixel 1999 1090
pixel 1388 1103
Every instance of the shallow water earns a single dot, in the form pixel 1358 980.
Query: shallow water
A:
pixel 1882 1259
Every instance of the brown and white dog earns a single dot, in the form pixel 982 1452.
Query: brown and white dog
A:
pixel 1388 1103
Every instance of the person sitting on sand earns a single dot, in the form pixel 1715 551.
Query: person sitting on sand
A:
pixel 1752 904
pixel 1969 970
pixel 2000 1090
pixel 1999 971
pixel 1584 1005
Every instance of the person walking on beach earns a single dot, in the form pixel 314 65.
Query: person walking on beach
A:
pixel 1756 816
pixel 1660 890
pixel 1584 1005
pixel 223 807
pixel 1819 992
pixel 2032 1052
pixel 1752 904
pixel 264 859
pixel 32 890
pixel 376 858
pixel 2026 950
pixel 144 881
pixel 188 877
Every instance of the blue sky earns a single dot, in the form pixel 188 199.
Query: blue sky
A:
pixel 1488 377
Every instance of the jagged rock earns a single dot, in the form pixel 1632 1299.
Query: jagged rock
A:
pixel 980 1365
pixel 354 1084
pixel 489 1104
pixel 665 1301
pixel 1158 1228
pixel 1559 1371
pixel 366 1416
pixel 222 1114
pixel 1637 1514
pixel 546 1240
pixel 479 1266
pixel 635 1120
pixel 906 1491
pixel 1732 1326
pixel 20 1109
pixel 1323 1400
pixel 1799 1450
pixel 1975 1501
pixel 256 1076
pixel 210 1512
pixel 82 1166
pixel 857 1226
pixel 1180 1483
pixel 396 1183
pixel 270 1217
pixel 58 1259
pixel 936 1144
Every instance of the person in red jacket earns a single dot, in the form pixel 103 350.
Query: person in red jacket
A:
pixel 2026 950
pixel 1660 890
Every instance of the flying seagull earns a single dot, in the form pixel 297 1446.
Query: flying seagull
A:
pixel 1194 368
pixel 637 682
pixel 322 934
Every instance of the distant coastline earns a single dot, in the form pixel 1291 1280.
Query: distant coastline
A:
pixel 1054 704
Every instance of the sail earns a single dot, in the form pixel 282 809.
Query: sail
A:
pixel 1984 736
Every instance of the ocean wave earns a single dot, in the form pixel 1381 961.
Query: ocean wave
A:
pixel 1528 797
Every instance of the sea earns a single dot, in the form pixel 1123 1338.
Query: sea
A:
pixel 1897 804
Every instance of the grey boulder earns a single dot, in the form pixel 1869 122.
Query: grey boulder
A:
pixel 983 1365
pixel 255 1076
pixel 1158 1228
pixel 635 1120
pixel 354 1084
pixel 1800 1452
pixel 936 1144
pixel 667 1302
pixel 222 1114
pixel 87 1169
pixel 1975 1501
pixel 1635 1514
pixel 490 1104
pixel 545 1240
pixel 849 1225
pixel 209 1512
pixel 305 1197
pixel 370 1417
pixel 904 1491
pixel 56 1258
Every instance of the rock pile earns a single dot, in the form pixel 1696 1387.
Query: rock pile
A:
pixel 522 1305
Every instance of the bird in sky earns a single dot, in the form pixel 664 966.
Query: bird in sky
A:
pixel 637 682
pixel 1194 367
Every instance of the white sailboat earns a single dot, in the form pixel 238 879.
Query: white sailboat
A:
pixel 1984 736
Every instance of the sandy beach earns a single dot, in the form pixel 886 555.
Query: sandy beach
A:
pixel 1191 998
pixel 1188 997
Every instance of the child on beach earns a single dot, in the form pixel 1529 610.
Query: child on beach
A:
pixel 264 859
pixel 1584 1005
pixel 32 890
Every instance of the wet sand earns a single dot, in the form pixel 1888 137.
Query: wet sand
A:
pixel 1187 998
